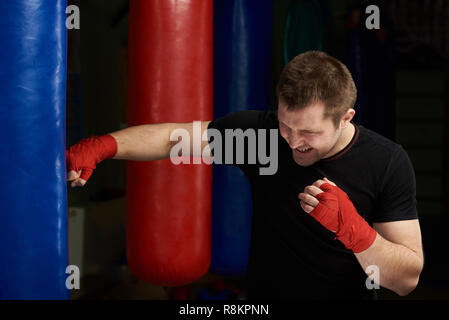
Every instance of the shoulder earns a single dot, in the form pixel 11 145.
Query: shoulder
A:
pixel 389 157
pixel 378 143
pixel 395 185
pixel 380 149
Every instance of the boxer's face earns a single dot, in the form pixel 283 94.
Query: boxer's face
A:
pixel 310 136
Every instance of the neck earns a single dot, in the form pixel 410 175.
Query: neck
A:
pixel 345 138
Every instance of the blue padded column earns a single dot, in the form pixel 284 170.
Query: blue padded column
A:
pixel 242 75
pixel 33 194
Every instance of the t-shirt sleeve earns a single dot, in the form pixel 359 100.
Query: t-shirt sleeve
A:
pixel 233 138
pixel 397 200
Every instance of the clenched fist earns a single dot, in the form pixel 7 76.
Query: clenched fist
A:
pixel 83 157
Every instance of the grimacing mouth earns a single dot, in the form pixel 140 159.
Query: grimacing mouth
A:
pixel 304 149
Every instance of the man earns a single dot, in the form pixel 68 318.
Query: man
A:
pixel 341 203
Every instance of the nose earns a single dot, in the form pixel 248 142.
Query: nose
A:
pixel 294 140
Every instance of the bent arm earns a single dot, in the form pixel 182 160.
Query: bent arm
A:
pixel 397 252
pixel 152 141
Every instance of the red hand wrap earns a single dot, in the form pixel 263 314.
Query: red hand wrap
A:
pixel 87 153
pixel 336 213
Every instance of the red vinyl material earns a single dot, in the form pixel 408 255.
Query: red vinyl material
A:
pixel 170 80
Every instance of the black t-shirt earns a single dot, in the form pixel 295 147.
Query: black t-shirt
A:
pixel 292 256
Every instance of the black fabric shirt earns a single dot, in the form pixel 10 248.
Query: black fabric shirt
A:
pixel 291 255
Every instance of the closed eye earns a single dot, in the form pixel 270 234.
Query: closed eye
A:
pixel 281 124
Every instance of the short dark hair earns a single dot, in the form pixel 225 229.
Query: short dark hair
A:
pixel 315 76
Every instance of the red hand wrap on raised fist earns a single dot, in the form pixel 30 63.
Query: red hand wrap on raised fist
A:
pixel 336 213
pixel 87 153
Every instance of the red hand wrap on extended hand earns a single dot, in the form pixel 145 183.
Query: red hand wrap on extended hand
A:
pixel 336 213
pixel 87 153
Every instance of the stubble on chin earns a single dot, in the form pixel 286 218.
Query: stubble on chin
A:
pixel 303 162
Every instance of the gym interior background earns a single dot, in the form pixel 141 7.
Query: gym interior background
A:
pixel 410 73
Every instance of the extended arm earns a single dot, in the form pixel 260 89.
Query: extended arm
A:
pixel 151 141
pixel 138 143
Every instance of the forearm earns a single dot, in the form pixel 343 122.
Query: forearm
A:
pixel 399 266
pixel 143 143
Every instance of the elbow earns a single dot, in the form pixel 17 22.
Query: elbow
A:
pixel 409 284
pixel 407 287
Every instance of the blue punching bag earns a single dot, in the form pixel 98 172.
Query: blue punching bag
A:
pixel 33 194
pixel 242 62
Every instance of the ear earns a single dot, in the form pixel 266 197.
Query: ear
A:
pixel 347 117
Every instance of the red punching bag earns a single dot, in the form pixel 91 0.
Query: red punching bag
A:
pixel 171 80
